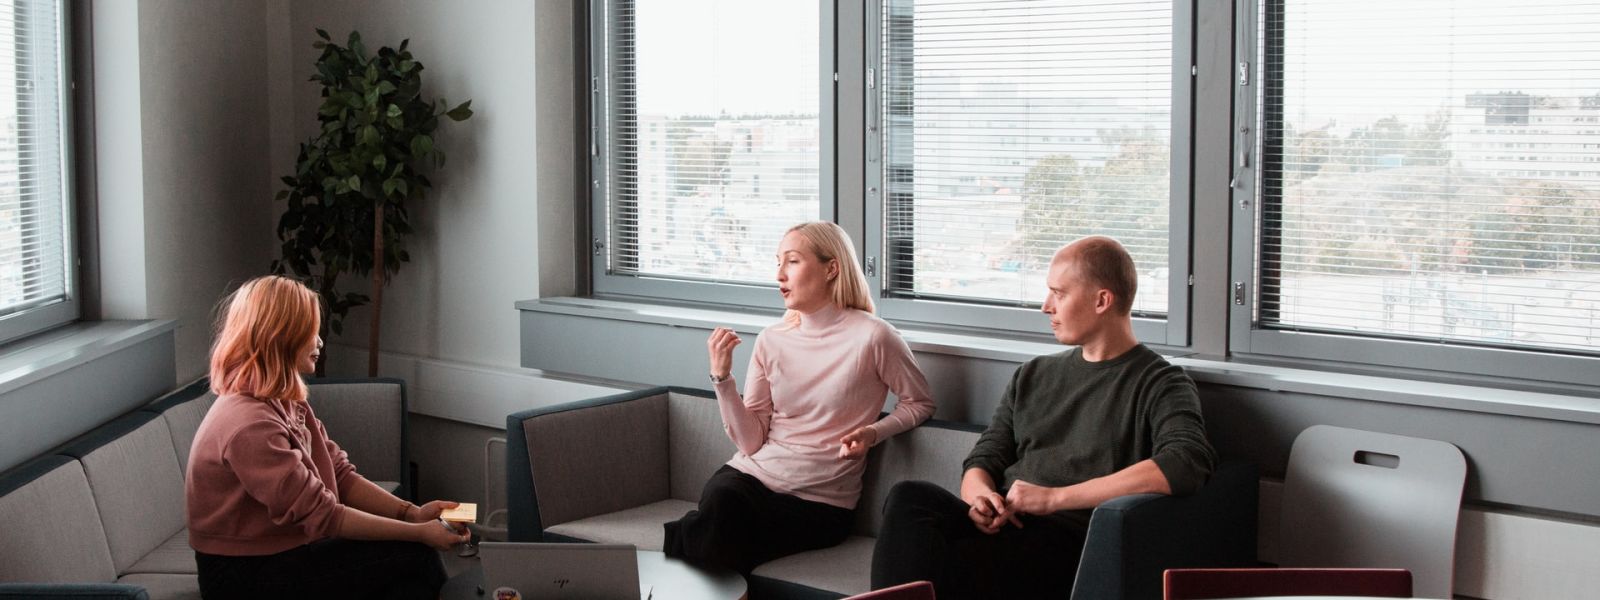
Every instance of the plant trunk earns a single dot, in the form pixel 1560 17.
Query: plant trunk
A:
pixel 377 288
pixel 329 275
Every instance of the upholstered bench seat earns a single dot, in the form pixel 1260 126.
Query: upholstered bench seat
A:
pixel 103 516
pixel 614 469
pixel 640 526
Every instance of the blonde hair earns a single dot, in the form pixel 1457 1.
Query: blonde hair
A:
pixel 829 242
pixel 263 330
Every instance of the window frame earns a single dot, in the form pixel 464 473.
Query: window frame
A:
pixel 53 314
pixel 649 287
pixel 1248 340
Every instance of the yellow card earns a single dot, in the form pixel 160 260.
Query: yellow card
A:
pixel 466 513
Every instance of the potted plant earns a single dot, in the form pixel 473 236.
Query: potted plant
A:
pixel 346 201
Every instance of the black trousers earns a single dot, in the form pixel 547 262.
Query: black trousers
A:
pixel 926 535
pixel 741 524
pixel 329 568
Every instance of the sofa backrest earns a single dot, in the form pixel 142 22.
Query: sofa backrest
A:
pixel 133 472
pixel 931 452
pixel 183 410
pixel 699 445
pixel 630 428
pixel 367 418
pixel 53 532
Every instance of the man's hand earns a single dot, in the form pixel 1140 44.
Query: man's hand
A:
pixel 1030 499
pixel 854 445
pixel 986 507
pixel 989 513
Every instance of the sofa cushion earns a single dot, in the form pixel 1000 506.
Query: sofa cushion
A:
pixel 933 452
pixel 137 485
pixel 640 526
pixel 53 533
pixel 633 460
pixel 845 568
pixel 172 556
pixel 165 586
pixel 183 411
pixel 698 446
pixel 367 419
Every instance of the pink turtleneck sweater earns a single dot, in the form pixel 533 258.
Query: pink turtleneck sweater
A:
pixel 808 386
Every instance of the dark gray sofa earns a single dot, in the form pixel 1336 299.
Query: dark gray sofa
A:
pixel 613 469
pixel 103 515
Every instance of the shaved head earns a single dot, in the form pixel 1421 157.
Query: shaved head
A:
pixel 1104 263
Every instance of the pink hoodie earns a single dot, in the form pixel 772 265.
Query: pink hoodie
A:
pixel 263 477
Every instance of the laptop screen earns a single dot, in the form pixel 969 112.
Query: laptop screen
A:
pixel 560 571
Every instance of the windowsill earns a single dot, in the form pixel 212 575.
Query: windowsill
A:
pixel 42 355
pixel 1394 390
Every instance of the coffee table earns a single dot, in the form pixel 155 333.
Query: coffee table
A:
pixel 671 579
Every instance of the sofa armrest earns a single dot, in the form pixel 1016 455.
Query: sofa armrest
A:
pixel 1133 539
pixel 367 417
pixel 72 591
pixel 579 459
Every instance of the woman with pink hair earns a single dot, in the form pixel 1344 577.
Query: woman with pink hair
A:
pixel 275 509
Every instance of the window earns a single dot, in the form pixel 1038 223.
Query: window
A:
pixel 711 142
pixel 1010 128
pixel 991 133
pixel 37 289
pixel 1382 217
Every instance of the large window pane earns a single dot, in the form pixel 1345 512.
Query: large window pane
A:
pixel 34 228
pixel 712 135
pixel 1012 127
pixel 1431 170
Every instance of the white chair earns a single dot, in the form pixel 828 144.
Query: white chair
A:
pixel 1355 498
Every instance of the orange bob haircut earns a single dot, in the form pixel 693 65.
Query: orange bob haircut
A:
pixel 265 327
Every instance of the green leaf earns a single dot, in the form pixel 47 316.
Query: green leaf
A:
pixel 388 187
pixel 354 182
pixel 323 34
pixel 394 110
pixel 460 113
pixel 400 184
pixel 385 87
pixel 421 145
pixel 379 162
pixel 369 136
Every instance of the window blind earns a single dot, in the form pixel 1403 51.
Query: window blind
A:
pixel 713 137
pixel 34 234
pixel 1013 127
pixel 1431 169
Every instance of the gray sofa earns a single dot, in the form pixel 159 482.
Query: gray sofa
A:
pixel 103 515
pixel 613 469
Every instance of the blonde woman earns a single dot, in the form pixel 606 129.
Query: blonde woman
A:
pixel 813 391
pixel 275 509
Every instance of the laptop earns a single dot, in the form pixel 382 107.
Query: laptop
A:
pixel 561 571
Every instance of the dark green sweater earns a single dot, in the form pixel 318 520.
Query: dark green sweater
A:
pixel 1064 420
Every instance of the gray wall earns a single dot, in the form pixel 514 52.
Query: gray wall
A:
pixel 497 227
pixel 185 199
pixel 1536 464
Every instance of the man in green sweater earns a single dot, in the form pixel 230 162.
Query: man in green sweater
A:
pixel 1104 419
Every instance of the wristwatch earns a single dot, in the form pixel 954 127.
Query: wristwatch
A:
pixel 715 379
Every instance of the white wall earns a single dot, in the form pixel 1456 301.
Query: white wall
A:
pixel 491 220
pixel 184 187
